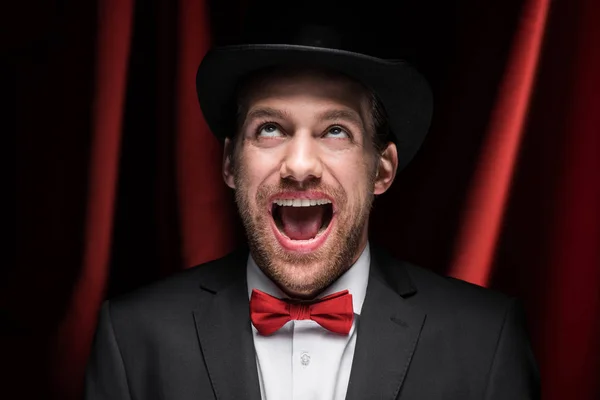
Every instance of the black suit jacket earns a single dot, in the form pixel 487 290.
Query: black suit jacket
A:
pixel 420 336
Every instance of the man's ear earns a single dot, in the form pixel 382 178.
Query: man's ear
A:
pixel 386 169
pixel 228 168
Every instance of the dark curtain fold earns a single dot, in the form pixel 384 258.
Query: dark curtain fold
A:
pixel 490 185
pixel 118 178
pixel 70 78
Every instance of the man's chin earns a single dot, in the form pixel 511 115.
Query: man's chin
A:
pixel 303 272
pixel 303 281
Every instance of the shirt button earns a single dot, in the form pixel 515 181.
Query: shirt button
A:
pixel 305 359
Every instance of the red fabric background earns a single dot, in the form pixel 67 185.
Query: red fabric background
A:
pixel 118 178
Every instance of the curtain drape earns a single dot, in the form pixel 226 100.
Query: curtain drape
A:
pixel 119 182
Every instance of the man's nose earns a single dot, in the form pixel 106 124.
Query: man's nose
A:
pixel 302 161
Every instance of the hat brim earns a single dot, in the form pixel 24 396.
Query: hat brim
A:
pixel 405 94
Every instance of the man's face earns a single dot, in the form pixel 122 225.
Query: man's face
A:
pixel 305 176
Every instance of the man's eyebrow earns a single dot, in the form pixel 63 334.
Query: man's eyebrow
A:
pixel 266 112
pixel 337 114
pixel 328 115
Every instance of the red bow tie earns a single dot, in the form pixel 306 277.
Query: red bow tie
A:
pixel 333 312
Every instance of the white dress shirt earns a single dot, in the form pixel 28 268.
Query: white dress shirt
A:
pixel 302 360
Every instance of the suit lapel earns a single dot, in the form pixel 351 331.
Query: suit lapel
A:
pixel 225 335
pixel 388 332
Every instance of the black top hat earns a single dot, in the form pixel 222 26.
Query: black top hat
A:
pixel 403 91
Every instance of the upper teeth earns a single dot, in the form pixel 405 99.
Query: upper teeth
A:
pixel 301 202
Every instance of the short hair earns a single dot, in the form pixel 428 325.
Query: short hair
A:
pixel 379 127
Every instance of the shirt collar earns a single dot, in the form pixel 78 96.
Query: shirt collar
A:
pixel 355 280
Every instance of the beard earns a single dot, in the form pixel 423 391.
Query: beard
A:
pixel 303 275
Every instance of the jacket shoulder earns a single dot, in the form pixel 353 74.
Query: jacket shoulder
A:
pixel 426 287
pixel 453 291
pixel 454 302
pixel 443 296
pixel 180 290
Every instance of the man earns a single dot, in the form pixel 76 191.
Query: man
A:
pixel 311 310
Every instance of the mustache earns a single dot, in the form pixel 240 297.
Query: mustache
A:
pixel 265 192
pixel 293 185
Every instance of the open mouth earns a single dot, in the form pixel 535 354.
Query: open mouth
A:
pixel 302 219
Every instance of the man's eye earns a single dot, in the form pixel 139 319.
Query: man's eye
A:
pixel 337 132
pixel 270 130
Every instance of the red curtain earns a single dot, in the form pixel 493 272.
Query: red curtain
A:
pixel 490 185
pixel 567 338
pixel 203 199
pixel 119 184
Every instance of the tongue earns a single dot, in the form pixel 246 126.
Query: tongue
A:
pixel 301 223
